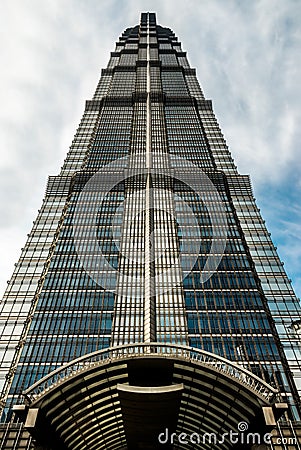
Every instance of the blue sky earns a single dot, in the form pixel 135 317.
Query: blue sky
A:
pixel 247 56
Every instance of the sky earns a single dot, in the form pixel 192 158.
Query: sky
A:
pixel 247 56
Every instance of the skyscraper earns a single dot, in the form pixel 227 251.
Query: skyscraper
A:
pixel 149 307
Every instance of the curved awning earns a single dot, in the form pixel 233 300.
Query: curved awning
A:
pixel 131 396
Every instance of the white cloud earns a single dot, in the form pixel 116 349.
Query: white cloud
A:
pixel 247 56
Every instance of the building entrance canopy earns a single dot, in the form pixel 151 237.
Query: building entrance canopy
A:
pixel 120 398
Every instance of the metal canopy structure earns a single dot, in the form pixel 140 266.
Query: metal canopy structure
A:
pixel 121 398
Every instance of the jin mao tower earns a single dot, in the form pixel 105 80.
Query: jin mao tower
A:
pixel 149 308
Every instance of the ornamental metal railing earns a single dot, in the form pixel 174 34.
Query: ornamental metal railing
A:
pixel 137 350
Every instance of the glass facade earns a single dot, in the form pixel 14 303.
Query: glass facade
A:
pixel 119 251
